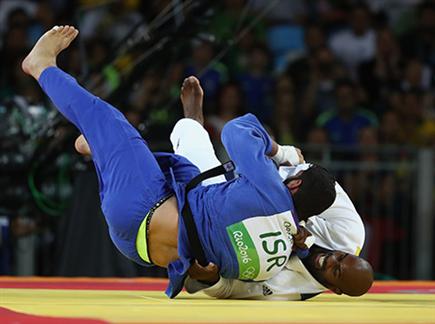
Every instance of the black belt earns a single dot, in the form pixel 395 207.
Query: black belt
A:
pixel 189 223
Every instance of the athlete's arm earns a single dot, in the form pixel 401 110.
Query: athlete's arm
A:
pixel 286 285
pixel 250 147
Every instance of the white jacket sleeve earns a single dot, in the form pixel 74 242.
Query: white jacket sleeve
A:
pixel 339 227
pixel 237 289
pixel 293 283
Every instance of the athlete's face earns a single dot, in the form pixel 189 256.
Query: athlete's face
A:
pixel 329 266
pixel 341 272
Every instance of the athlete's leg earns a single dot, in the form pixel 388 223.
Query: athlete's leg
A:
pixel 189 138
pixel 130 178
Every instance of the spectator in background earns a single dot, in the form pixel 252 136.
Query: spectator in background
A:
pixel 113 20
pixel 230 105
pixel 356 44
pixel 420 41
pixel 325 71
pixel 101 76
pixel 170 84
pixel 7 9
pixel 382 73
pixel 15 45
pixel 418 78
pixel 317 139
pixel 285 120
pixel 18 18
pixel 317 136
pixel 416 75
pixel 237 59
pixel 285 31
pixel 21 87
pixel 97 52
pixel 390 129
pixel 44 19
pixel 300 62
pixel 257 84
pixel 227 24
pixel 15 38
pixel 369 142
pixel 319 94
pixel 344 122
pixel 211 75
pixel 145 94
pixel 409 107
pixel 226 21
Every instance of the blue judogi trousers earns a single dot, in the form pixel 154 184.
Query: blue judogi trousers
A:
pixel 131 181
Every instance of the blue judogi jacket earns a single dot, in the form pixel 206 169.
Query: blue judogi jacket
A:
pixel 245 224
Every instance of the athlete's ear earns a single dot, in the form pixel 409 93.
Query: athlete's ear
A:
pixel 294 184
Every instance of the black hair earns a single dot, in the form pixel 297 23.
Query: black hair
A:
pixel 316 192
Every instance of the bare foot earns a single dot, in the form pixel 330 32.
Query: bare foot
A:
pixel 82 146
pixel 47 48
pixel 192 96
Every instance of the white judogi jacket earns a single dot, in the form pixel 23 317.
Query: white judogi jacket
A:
pixel 338 228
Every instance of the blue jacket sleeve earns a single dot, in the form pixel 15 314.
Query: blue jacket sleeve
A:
pixel 248 144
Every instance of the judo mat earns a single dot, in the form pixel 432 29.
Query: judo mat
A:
pixel 86 300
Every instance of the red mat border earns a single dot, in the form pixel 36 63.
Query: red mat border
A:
pixel 8 316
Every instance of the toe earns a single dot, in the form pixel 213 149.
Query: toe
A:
pixel 70 31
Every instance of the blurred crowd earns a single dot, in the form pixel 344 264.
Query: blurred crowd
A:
pixel 341 72
pixel 327 72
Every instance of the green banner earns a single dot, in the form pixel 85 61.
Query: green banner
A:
pixel 247 256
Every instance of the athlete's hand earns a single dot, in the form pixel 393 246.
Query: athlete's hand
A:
pixel 300 237
pixel 288 155
pixel 208 274
pixel 300 155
